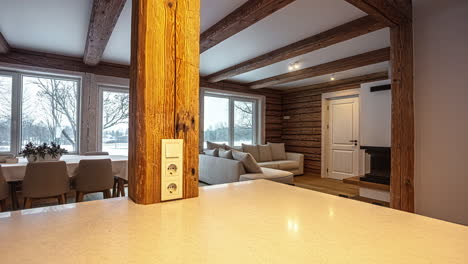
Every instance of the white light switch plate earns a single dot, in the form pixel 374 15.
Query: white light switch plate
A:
pixel 172 169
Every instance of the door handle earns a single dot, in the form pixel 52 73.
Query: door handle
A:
pixel 354 141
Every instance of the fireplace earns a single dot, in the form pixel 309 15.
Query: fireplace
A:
pixel 379 165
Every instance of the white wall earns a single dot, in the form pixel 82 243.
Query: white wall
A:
pixel 441 108
pixel 376 115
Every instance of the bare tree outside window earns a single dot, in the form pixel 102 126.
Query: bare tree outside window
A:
pixel 243 123
pixel 49 111
pixel 115 107
pixel 6 88
pixel 218 126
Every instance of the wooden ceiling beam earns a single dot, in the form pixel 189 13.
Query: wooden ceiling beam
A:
pixel 104 16
pixel 241 18
pixel 378 76
pixel 327 38
pixel 389 12
pixel 4 47
pixel 52 61
pixel 349 63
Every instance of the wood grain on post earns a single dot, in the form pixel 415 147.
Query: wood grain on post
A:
pixel 164 77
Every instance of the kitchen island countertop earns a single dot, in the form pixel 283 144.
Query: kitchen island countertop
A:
pixel 247 222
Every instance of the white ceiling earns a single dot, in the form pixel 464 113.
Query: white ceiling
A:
pixel 60 27
pixel 118 47
pixel 374 68
pixel 54 26
pixel 372 41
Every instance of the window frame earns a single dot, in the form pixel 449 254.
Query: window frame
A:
pixel 15 138
pixel 78 105
pixel 258 113
pixel 17 106
pixel 106 88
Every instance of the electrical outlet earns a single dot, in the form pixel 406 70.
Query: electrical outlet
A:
pixel 172 169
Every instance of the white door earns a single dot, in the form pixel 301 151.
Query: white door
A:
pixel 343 134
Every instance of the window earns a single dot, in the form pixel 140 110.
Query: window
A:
pixel 231 120
pixel 49 111
pixel 114 120
pixel 216 119
pixel 6 95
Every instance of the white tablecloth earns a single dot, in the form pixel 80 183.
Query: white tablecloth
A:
pixel 16 172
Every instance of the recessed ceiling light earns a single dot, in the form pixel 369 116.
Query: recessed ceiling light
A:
pixel 294 66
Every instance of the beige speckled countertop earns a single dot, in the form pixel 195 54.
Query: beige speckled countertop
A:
pixel 248 222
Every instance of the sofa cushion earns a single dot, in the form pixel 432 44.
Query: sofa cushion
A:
pixel 287 164
pixel 278 151
pixel 248 161
pixel 211 145
pixel 264 152
pixel 269 164
pixel 270 174
pixel 225 154
pixel 252 149
pixel 211 152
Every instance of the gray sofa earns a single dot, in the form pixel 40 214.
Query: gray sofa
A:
pixel 215 170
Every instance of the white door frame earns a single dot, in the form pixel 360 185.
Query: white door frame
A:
pixel 325 98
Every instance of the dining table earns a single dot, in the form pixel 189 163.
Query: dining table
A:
pixel 14 173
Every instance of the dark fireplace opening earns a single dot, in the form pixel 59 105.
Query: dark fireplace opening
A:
pixel 380 158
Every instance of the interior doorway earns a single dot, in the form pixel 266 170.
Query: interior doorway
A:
pixel 340 132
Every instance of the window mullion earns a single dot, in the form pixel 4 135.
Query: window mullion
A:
pixel 16 114
pixel 231 121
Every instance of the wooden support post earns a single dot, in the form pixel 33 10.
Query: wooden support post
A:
pixel 164 91
pixel 402 164
pixel 398 15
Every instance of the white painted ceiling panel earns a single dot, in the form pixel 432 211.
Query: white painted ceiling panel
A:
pixel 212 11
pixel 118 48
pixel 369 42
pixel 296 21
pixel 54 26
pixel 374 68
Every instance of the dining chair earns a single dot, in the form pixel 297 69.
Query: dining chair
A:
pixel 48 179
pixel 3 191
pixel 93 176
pixel 119 184
pixel 118 189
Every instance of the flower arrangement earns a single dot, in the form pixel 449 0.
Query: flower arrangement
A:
pixel 42 152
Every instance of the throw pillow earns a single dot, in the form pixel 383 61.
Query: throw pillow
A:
pixel 212 152
pixel 264 152
pixel 225 154
pixel 278 151
pixel 211 145
pixel 248 161
pixel 252 149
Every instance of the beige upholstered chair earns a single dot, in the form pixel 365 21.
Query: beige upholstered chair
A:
pixel 45 180
pixel 3 191
pixel 119 184
pixel 93 176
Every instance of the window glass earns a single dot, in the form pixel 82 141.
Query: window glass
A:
pixel 6 88
pixel 115 107
pixel 243 123
pixel 50 111
pixel 216 120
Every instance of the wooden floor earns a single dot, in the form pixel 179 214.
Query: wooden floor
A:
pixel 326 185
